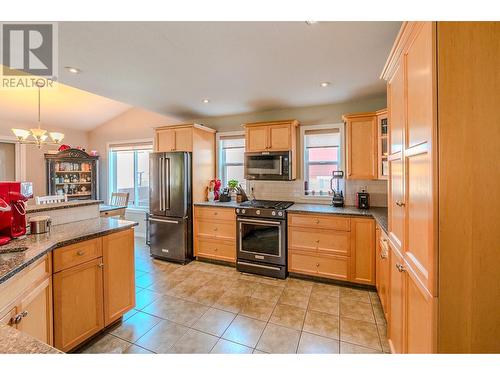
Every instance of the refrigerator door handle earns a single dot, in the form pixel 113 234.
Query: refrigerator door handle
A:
pixel 160 182
pixel 164 221
pixel 166 192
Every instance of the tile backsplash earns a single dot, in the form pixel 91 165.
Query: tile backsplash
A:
pixel 294 191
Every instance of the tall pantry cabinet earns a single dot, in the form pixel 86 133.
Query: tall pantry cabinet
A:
pixel 442 85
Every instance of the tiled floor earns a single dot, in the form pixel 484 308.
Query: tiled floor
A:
pixel 207 308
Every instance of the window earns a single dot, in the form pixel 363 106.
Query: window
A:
pixel 231 148
pixel 322 155
pixel 129 172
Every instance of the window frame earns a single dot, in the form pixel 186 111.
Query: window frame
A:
pixel 219 156
pixel 341 153
pixel 111 169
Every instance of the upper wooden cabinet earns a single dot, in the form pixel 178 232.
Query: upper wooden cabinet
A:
pixel 361 146
pixel 271 136
pixel 194 138
pixel 383 144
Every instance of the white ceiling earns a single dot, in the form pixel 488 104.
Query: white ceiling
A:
pixel 61 106
pixel 170 67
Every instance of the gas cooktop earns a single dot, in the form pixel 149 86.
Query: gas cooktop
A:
pixel 273 205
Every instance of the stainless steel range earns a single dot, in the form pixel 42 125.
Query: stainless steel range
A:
pixel 262 237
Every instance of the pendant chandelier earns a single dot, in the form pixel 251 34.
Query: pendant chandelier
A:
pixel 38 136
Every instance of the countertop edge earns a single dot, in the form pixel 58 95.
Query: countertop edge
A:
pixel 70 204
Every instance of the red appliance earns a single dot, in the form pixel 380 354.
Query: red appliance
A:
pixel 12 211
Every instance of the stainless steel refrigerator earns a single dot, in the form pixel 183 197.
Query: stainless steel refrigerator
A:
pixel 170 208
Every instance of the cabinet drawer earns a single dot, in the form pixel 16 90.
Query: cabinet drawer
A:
pixel 216 229
pixel 334 267
pixel 329 241
pixel 222 250
pixel 73 255
pixel 215 213
pixel 320 221
pixel 302 263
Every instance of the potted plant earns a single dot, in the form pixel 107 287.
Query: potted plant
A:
pixel 233 184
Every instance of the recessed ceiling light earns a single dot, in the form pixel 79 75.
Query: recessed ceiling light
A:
pixel 325 84
pixel 206 101
pixel 72 70
pixel 310 23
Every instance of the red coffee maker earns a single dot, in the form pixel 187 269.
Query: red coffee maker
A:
pixel 12 211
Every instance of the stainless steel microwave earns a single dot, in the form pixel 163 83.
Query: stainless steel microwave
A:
pixel 268 165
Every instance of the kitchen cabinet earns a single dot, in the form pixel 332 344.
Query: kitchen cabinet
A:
pixel 332 246
pixel 257 138
pixel 382 269
pixel 119 286
pixel 383 144
pixel 94 289
pixel 200 141
pixel 361 146
pixel 215 233
pixel 396 322
pixel 26 301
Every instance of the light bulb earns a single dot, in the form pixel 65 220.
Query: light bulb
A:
pixel 56 137
pixel 21 134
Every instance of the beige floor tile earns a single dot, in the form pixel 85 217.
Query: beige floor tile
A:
pixel 129 314
pixel 382 332
pixel 257 308
pixel 242 288
pixel 184 289
pixel 229 347
pixel 322 324
pixel 132 329
pixel 314 344
pixel 288 316
pixel 302 285
pixel 294 297
pixel 214 322
pixel 194 342
pixel 134 349
pixel 355 309
pixel 359 333
pixel 146 280
pixel 255 351
pixel 230 302
pixel 245 331
pixel 145 297
pixel 162 337
pixel 348 348
pixel 378 312
pixel 277 339
pixel 326 289
pixel 176 310
pixel 162 286
pixel 268 292
pixel 374 299
pixel 207 295
pixel 324 303
pixel 106 344
pixel 358 294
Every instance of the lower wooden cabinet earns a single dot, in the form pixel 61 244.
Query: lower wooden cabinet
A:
pixel 94 293
pixel 382 269
pixel 215 233
pixel 78 304
pixel 396 321
pixel 330 246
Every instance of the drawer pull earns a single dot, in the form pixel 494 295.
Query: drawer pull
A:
pixel 216 213
pixel 80 252
pixel 317 221
pixel 400 203
pixel 317 264
pixel 216 249
pixel 216 229
pixel 317 241
pixel 400 267
pixel 100 265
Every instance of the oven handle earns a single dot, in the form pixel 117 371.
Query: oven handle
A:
pixel 281 165
pixel 258 221
pixel 258 265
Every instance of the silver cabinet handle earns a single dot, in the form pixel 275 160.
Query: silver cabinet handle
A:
pixel 400 267
pixel 80 252
pixel 400 203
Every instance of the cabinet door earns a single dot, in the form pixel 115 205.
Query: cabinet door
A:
pixel 396 109
pixel 397 303
pixel 395 201
pixel 334 267
pixel 420 317
pixel 302 263
pixel 36 308
pixel 78 304
pixel 119 274
pixel 165 140
pixel 383 273
pixel 362 148
pixel 184 139
pixel 280 138
pixel 257 138
pixel 363 250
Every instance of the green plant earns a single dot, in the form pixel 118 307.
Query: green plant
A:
pixel 232 184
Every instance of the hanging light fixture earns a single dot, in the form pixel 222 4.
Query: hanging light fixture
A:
pixel 38 134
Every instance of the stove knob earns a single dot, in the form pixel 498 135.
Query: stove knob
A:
pixel 273 213
pixel 280 213
pixel 242 211
pixel 257 212
pixel 237 210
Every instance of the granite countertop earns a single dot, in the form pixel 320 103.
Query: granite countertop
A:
pixel 32 208
pixel 13 341
pixel 378 213
pixel 106 207
pixel 19 253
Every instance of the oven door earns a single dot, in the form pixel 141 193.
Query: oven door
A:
pixel 267 166
pixel 261 240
